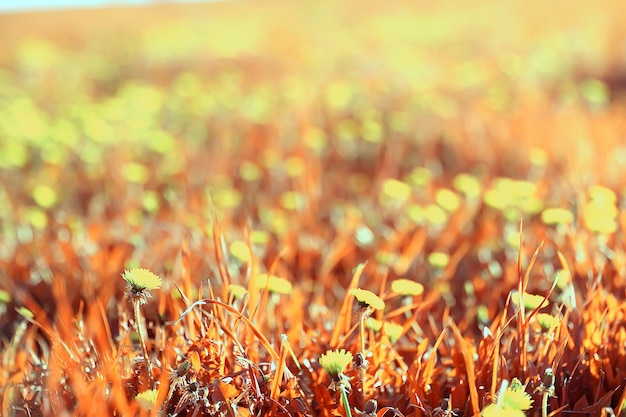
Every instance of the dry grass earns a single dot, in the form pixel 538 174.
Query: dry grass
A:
pixel 336 147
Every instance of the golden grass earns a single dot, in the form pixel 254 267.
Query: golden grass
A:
pixel 264 159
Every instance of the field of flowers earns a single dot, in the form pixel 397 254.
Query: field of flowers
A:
pixel 273 208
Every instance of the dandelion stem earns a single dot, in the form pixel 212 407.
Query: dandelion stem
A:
pixel 344 399
pixel 362 333
pixel 142 341
pixel 362 366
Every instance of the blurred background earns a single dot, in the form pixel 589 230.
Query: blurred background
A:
pixel 41 5
pixel 131 112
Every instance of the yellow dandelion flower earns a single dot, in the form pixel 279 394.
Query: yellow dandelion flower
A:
pixel 448 199
pixel 334 362
pixel 438 259
pixel 147 399
pixel 141 279
pixel 602 194
pixel 396 190
pixel 237 291
pixel 600 216
pixel 556 215
pixel 241 251
pixel 374 324
pixel 515 397
pixel 367 298
pixel 531 301
pixel 393 331
pixel 493 410
pixel 511 401
pixel 547 321
pixel 467 184
pixel 408 287
pixel 274 284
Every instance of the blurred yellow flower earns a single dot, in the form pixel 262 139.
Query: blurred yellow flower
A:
pixel 531 301
pixel 392 330
pixel 237 291
pixel 405 286
pixel 396 190
pixel 556 215
pixel 374 324
pixel 547 321
pixel 274 284
pixel 438 259
pixel 147 399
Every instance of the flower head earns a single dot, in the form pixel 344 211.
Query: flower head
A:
pixel 274 284
pixel 407 287
pixel 374 324
pixel 237 291
pixel 547 321
pixel 334 362
pixel 439 259
pixel 531 301
pixel 148 398
pixel 140 281
pixel 557 215
pixel 494 410
pixel 367 299
pixel 512 402
pixel 393 331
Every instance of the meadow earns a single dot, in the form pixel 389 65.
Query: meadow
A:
pixel 276 208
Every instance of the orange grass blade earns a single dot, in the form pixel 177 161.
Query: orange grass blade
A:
pixel 257 332
pixel 565 267
pixel 218 247
pixel 278 375
pixel 190 321
pixel 407 256
pixel 469 366
pixel 496 344
pixel 343 321
pixel 429 367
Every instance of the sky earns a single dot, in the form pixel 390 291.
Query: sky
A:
pixel 11 6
